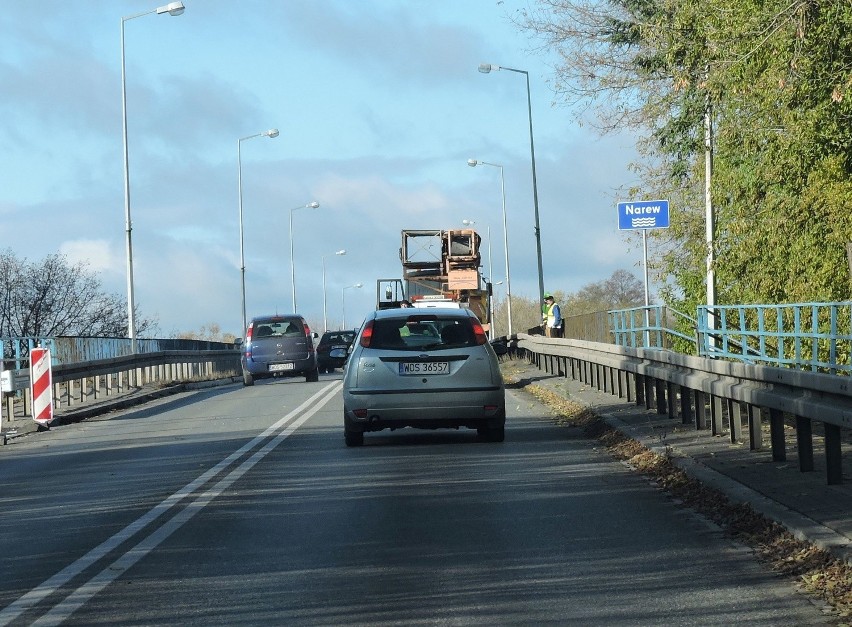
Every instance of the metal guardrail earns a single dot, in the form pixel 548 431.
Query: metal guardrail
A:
pixel 79 383
pixel 711 393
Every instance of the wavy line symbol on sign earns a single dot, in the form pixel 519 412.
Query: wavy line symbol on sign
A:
pixel 639 223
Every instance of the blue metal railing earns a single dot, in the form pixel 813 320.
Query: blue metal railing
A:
pixel 654 326
pixel 814 336
pixel 68 350
pixel 15 351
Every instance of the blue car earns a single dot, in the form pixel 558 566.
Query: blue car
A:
pixel 279 346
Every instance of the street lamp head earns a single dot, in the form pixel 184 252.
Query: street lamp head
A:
pixel 358 285
pixel 485 68
pixel 273 132
pixel 468 222
pixel 172 8
pixel 472 162
pixel 341 252
pixel 312 205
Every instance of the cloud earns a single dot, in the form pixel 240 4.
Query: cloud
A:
pixel 96 254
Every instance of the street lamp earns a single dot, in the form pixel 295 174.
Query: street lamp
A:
pixel 311 205
pixel 473 163
pixel 485 68
pixel 324 310
pixel 172 8
pixel 273 132
pixel 344 300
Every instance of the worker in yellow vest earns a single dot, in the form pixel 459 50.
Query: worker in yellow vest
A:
pixel 552 317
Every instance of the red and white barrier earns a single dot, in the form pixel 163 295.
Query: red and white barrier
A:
pixel 41 385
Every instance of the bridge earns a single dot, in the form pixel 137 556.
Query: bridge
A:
pixel 725 387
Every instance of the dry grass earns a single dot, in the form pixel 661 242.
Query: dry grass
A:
pixel 816 572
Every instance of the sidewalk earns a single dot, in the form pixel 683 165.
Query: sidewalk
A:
pixel 804 503
pixel 87 409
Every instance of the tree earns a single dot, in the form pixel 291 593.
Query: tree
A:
pixel 622 290
pixel 775 78
pixel 211 332
pixel 52 298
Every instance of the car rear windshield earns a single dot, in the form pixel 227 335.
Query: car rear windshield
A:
pixel 345 337
pixel 277 328
pixel 422 332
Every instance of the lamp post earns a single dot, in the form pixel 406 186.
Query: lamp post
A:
pixel 485 68
pixel 172 8
pixel 324 309
pixel 311 205
pixel 344 300
pixel 473 163
pixel 273 132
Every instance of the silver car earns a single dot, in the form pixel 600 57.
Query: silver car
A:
pixel 426 369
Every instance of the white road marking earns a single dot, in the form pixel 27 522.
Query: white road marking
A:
pixel 85 592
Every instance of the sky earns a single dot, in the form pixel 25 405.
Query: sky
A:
pixel 379 105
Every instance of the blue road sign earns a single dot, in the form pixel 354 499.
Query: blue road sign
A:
pixel 643 214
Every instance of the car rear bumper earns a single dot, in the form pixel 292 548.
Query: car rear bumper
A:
pixel 261 368
pixel 374 410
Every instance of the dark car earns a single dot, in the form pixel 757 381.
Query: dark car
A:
pixel 279 346
pixel 333 349
pixel 428 369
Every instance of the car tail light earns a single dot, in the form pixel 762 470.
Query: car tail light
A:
pixel 310 339
pixel 367 334
pixel 247 342
pixel 479 332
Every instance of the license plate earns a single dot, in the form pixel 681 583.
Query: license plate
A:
pixel 280 367
pixel 424 367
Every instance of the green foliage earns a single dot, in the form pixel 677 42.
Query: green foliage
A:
pixel 776 80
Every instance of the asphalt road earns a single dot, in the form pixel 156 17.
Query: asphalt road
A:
pixel 243 506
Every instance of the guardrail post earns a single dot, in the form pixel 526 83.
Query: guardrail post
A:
pixel 685 405
pixel 649 392
pixel 671 397
pixel 660 393
pixel 717 425
pixel 776 434
pixel 805 443
pixel 700 410
pixel 833 454
pixel 640 389
pixel 754 416
pixel 735 418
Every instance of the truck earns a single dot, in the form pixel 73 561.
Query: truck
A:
pixel 440 268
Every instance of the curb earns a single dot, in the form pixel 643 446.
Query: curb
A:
pixel 802 527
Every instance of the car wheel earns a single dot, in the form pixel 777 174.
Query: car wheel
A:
pixel 248 379
pixel 497 434
pixel 312 376
pixel 354 438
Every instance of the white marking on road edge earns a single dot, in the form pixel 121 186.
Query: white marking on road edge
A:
pixel 77 598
